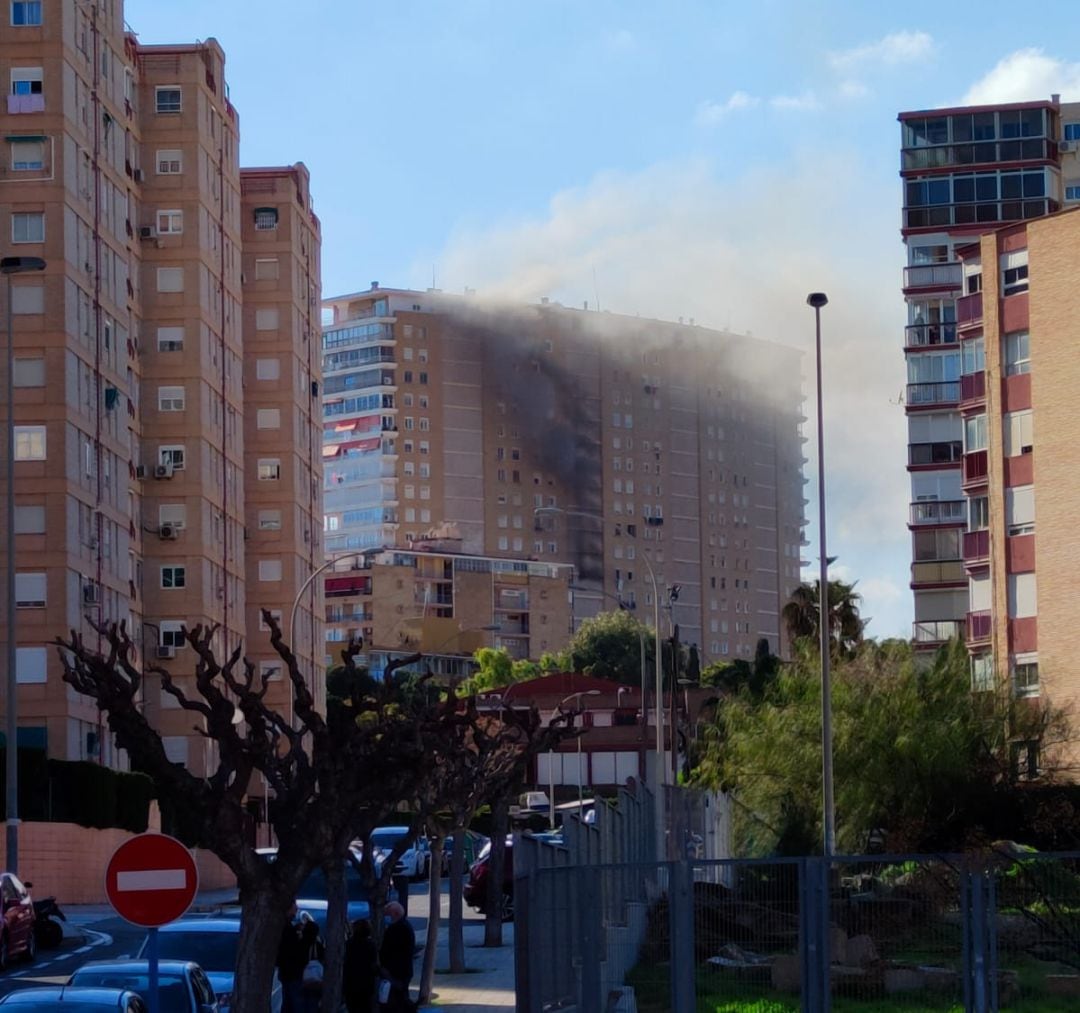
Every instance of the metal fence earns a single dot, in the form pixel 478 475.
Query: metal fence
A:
pixel 997 930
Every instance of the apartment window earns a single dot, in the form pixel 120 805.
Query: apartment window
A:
pixel 1022 595
pixel 267 369
pixel 27 81
pixel 410 423
pixel 268 418
pixel 1019 433
pixel 266 268
pixel 173 577
pixel 266 219
pixel 168 99
pixel 171 456
pixel 425 424
pixel 170 162
pixel 425 447
pixel 30 443
pixel 269 569
pixel 1014 272
pixel 28 372
pixel 407 400
pixel 170 279
pixel 27 154
pixel 1017 353
pixel 409 491
pixel 269 520
pixel 423 377
pixel 410 468
pixel 504 544
pixel 269 469
pixel 266 318
pixel 171 633
pixel 972 356
pixel 30 590
pixel 172 514
pixel 170 222
pixel 407 447
pixel 28 227
pixel 425 471
pixel 1072 193
pixel 1025 675
pixel 270 671
pixel 978 513
pixel 170 399
pixel 974 434
pixel 1020 510
pixel 25 13
pixel 170 339
pixel 31 665
pixel 1071 131
pixel 30 520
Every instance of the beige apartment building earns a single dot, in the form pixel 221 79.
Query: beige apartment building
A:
pixel 141 416
pixel 644 454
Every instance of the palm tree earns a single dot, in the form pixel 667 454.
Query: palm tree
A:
pixel 801 614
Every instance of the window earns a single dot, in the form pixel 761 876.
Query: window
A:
pixel 1025 675
pixel 29 372
pixel 269 469
pixel 268 418
pixel 27 81
pixel 1014 272
pixel 28 227
pixel 1071 131
pixel 173 577
pixel 425 424
pixel 25 13
pixel 1022 595
pixel 171 633
pixel 30 443
pixel 170 339
pixel 30 520
pixel 1019 435
pixel 978 513
pixel 1024 759
pixel 27 154
pixel 170 399
pixel 266 318
pixel 269 569
pixel 270 671
pixel 269 520
pixel 972 356
pixel 974 433
pixel 170 162
pixel 266 268
pixel 171 456
pixel 172 514
pixel 30 590
pixel 1072 193
pixel 31 664
pixel 982 672
pixel 267 369
pixel 1020 510
pixel 170 279
pixel 425 447
pixel 1017 353
pixel 266 219
pixel 170 222
pixel 168 99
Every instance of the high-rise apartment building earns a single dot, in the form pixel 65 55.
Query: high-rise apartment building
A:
pixel 965 171
pixel 137 351
pixel 645 454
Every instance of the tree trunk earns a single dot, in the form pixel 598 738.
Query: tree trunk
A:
pixel 457 920
pixel 261 924
pixel 493 907
pixel 427 972
pixel 337 919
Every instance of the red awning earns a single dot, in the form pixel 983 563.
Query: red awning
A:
pixel 345 427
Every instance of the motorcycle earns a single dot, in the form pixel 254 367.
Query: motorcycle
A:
pixel 48 933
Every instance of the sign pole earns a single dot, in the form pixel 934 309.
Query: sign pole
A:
pixel 153 998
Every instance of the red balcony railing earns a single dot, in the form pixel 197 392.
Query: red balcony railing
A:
pixel 969 309
pixel 973 386
pixel 978 626
pixel 975 466
pixel 976 546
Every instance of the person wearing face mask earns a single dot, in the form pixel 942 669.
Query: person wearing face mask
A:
pixel 396 959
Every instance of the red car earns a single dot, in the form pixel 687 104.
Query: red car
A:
pixel 476 886
pixel 17 927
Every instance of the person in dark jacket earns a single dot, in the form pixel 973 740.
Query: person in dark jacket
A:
pixel 396 958
pixel 299 940
pixel 361 969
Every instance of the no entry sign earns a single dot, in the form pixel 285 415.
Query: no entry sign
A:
pixel 151 880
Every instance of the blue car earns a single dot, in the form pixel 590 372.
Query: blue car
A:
pixel 183 986
pixel 78 1000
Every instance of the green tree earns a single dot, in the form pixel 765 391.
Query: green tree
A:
pixel 608 646
pixel 801 615
pixel 755 676
pixel 496 669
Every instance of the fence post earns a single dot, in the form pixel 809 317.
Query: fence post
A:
pixel 522 934
pixel 814 935
pixel 588 907
pixel 681 928
pixel 977 902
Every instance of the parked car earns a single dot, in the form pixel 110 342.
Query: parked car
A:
pixel 477 885
pixel 212 944
pixel 183 986
pixel 473 843
pixel 17 928
pixel 48 932
pixel 83 1000
pixel 313 891
pixel 414 862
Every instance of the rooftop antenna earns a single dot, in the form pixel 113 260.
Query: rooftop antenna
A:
pixel 596 291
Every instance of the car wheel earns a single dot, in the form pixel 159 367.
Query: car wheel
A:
pixel 507 906
pixel 31 947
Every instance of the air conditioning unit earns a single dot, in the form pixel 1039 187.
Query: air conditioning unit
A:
pixel 140 471
pixel 168 532
pixel 163 471
pixel 166 653
pixel 1066 146
pixel 146 231
pixel 90 594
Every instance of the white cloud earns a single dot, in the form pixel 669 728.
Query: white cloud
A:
pixel 852 91
pixel 710 113
pixel 806 102
pixel 889 51
pixel 1025 75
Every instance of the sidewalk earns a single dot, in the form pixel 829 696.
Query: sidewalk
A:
pixel 489 985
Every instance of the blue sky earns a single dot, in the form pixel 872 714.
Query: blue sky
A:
pixel 700 159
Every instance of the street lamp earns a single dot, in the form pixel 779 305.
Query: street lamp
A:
pixel 818 300
pixel 8 267
pixel 580 793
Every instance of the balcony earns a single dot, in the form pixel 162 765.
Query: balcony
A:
pixel 976 466
pixel 940 156
pixel 976 547
pixel 949 571
pixel 988 212
pixel 923 395
pixel 946 276
pixel 979 626
pixel 936 631
pixel 935 454
pixel 929 335
pixel 969 309
pixel 943 511
pixel 973 387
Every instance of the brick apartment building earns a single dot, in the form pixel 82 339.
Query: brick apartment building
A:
pixel 166 364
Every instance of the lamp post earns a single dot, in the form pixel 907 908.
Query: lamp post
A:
pixel 580 791
pixel 817 300
pixel 8 267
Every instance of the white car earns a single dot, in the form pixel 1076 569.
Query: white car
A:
pixel 415 862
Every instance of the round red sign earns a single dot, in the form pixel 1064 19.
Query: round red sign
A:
pixel 151 880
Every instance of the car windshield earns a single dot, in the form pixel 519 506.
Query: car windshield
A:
pixel 212 951
pixel 386 839
pixel 175 997
pixel 314 887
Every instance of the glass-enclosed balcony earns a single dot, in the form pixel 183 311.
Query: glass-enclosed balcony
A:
pixel 937 140
pixel 922 395
pixel 979 626
pixel 938 511
pixel 929 335
pixel 932 276
pixel 936 631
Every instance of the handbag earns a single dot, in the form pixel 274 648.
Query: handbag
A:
pixel 313 972
pixel 384 990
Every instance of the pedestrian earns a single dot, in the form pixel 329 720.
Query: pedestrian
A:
pixel 311 980
pixel 292 958
pixel 396 959
pixel 361 969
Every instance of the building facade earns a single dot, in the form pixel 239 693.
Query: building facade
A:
pixel 965 171
pixel 642 453
pixel 121 171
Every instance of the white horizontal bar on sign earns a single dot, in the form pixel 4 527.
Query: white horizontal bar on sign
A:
pixel 151 879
